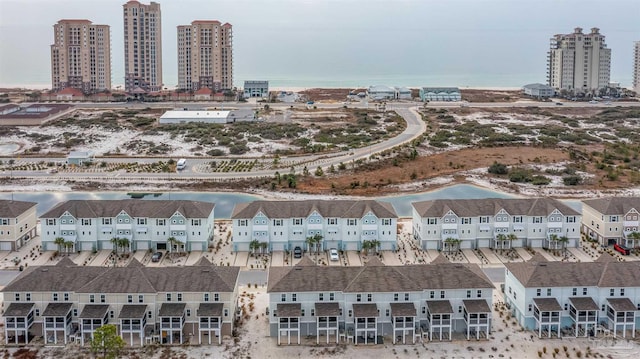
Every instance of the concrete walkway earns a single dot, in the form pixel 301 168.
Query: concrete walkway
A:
pixel 277 259
pixel 139 256
pixel 471 256
pixel 580 255
pixel 523 253
pixel 353 258
pixel 432 254
pixel 546 255
pixel 390 258
pixel 101 257
pixel 491 257
pixel 80 258
pixel 194 256
pixel 241 259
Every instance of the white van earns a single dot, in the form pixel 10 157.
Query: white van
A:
pixel 182 163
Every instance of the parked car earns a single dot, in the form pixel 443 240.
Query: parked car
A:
pixel 333 254
pixel 622 249
pixel 558 103
pixel 297 252
pixel 156 257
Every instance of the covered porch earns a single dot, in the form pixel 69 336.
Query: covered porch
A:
pixel 621 314
pixel 327 315
pixel 546 312
pixel 366 323
pixel 289 321
pixel 172 320
pixel 584 313
pixel 18 318
pixel 439 313
pixel 92 317
pixel 403 316
pixel 133 319
pixel 210 322
pixel 477 316
pixel 57 322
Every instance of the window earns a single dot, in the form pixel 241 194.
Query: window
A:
pixel 369 297
pixel 465 220
pixel 161 222
pixel 432 221
pixel 320 297
pixel 216 297
pixel 537 219
pixel 294 297
pixel 129 298
pixel 538 292
pixel 386 222
pixel 106 221
pixel 188 312
pixel 442 294
pixel 140 298
pixel 17 297
pixel 406 297
pixel 517 219
pixel 37 312
pixel 55 297
pixel 479 293
pixel 27 297
pixel 277 222
pixel 358 297
pixel 206 297
pixel 432 294
pixel 612 292
pixel 468 294
pixel 142 221
pixel 530 307
pixel 331 296
pixel 571 219
pixel 350 313
pixel 622 292
pixel 149 315
pixel 332 221
pixel 51 222
pixel 302 312
pixel 92 298
pixel 584 291
pixel 168 297
pixel 283 297
pixel 242 223
pixel 313 312
pixel 613 219
pixel 484 219
pixel 86 222
pixel 103 298
pixel 179 297
pixel 395 297
pixel 387 312
pixel 548 292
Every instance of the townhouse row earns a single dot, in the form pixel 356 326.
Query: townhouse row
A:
pixel 339 224
pixel 172 305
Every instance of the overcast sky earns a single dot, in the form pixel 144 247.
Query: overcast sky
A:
pixel 453 42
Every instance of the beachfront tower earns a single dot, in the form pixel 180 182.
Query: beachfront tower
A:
pixel 579 62
pixel 636 67
pixel 81 56
pixel 205 55
pixel 142 47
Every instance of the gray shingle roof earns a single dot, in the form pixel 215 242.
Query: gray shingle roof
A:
pixel 583 303
pixel 476 306
pixel 376 278
pixel 547 304
pixel 94 311
pixel 622 304
pixel 491 206
pixel 439 307
pixel 18 309
pixel 614 205
pixel 210 310
pixel 327 309
pixel 130 279
pixel 288 310
pixel 133 311
pixel 13 209
pixel 568 274
pixel 57 309
pixel 301 209
pixel 403 310
pixel 172 309
pixel 134 207
pixel 365 310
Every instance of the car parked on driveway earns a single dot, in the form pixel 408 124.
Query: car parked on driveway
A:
pixel 297 252
pixel 156 257
pixel 333 254
pixel 622 249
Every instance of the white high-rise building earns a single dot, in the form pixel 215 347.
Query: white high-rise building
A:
pixel 636 67
pixel 579 62
pixel 142 47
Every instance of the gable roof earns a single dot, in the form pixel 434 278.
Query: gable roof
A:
pixel 326 208
pixel 572 274
pixel 614 205
pixel 491 206
pixel 134 207
pixel 13 209
pixel 376 278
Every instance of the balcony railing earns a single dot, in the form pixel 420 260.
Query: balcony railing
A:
pixel 172 326
pixel 365 325
pixel 289 326
pixel 478 321
pixel 135 327
pixel 209 326
pixel 441 322
pixel 54 325
pixel 16 325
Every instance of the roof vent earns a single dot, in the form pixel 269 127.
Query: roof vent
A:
pixel 206 271
pixel 45 269
pixel 297 268
pixel 542 264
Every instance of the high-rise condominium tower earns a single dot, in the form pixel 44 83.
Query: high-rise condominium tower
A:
pixel 142 47
pixel 636 67
pixel 579 62
pixel 81 56
pixel 205 55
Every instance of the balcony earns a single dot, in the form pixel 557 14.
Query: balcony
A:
pixel 171 326
pixel 365 325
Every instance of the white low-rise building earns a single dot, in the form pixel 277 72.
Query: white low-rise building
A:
pixel 342 224
pixel 538 90
pixel 146 224
pixel 17 224
pixel 495 223
pixel 612 220
pixel 380 92
pixel 440 94
pixel 571 299
pixel 362 305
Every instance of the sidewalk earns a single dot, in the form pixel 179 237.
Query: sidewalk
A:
pixel 491 257
pixel 390 258
pixel 80 258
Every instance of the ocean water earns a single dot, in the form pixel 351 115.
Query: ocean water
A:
pixel 343 43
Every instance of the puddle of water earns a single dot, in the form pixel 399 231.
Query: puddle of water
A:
pixel 8 148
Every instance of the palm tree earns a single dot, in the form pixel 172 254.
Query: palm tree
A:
pixel 124 243
pixel 115 242
pixel 253 246
pixel 375 245
pixel 59 241
pixel 500 239
pixel 563 242
pixel 310 241
pixel 172 241
pixel 366 245
pixel 67 246
pixel 452 244
pixel 318 240
pixel 263 247
pixel 553 238
pixel 510 238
